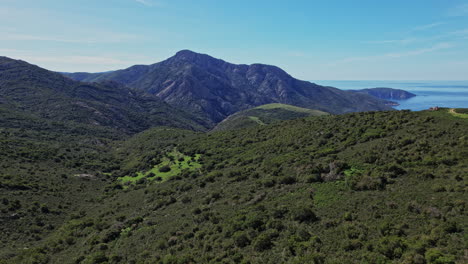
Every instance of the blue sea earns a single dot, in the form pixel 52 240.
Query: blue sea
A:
pixel 453 94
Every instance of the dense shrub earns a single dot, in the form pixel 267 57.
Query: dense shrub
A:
pixel 241 240
pixel 391 246
pixel 304 214
pixel 165 168
pixel 263 242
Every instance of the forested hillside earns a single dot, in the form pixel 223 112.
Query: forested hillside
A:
pixel 375 187
pixel 31 90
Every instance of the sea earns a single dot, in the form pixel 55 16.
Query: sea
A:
pixel 453 94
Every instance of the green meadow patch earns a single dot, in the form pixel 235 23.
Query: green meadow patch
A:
pixel 171 165
pixel 256 119
pixel 459 112
pixel 455 113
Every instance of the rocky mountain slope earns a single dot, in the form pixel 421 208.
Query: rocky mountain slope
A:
pixel 215 89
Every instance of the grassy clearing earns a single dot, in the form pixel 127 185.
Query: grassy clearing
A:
pixel 256 119
pixel 459 112
pixel 172 165
pixel 291 108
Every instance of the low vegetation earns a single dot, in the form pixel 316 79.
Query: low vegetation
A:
pixel 376 187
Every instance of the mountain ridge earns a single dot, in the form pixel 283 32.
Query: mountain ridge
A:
pixel 215 89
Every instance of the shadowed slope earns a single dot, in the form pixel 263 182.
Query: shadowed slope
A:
pixel 25 87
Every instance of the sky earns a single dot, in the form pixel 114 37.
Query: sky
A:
pixel 310 39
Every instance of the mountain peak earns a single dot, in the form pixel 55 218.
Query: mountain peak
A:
pixel 195 58
pixel 186 52
pixel 189 55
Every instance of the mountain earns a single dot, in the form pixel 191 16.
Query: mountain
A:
pixel 79 185
pixel 387 93
pixel 373 187
pixel 215 89
pixel 264 115
pixel 31 89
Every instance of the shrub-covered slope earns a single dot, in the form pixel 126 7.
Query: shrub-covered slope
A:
pixel 30 89
pixel 377 187
pixel 49 172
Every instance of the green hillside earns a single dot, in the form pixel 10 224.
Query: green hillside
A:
pixel 49 171
pixel 376 187
pixel 265 114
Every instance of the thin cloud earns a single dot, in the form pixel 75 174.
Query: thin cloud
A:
pixel 109 38
pixel 428 26
pixel 26 37
pixel 298 54
pixel 144 2
pixel 148 3
pixel 3 51
pixel 434 48
pixel 74 63
pixel 409 40
pixel 459 33
pixel 78 60
pixel 448 36
pixel 460 10
pixel 393 41
pixel 9 29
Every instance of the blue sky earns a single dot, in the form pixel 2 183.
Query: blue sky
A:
pixel 312 40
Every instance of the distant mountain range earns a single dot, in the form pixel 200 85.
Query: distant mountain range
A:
pixel 214 89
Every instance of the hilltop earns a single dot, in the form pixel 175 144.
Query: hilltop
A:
pixel 265 114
